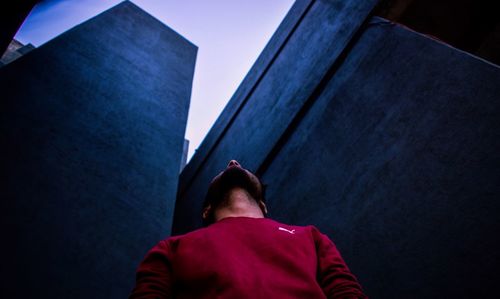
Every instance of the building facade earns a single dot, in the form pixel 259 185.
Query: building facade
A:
pixel 92 134
pixel 384 138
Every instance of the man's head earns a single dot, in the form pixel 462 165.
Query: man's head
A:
pixel 232 178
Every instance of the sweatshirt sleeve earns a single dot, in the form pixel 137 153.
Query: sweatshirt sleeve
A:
pixel 334 276
pixel 154 277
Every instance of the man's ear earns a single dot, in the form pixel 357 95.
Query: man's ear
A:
pixel 206 212
pixel 263 207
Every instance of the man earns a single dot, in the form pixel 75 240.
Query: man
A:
pixel 242 254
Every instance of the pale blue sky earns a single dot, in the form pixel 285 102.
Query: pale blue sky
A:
pixel 230 34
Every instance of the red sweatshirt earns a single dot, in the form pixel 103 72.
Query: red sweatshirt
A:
pixel 241 257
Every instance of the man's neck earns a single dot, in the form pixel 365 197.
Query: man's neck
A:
pixel 239 204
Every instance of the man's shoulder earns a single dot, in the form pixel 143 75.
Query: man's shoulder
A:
pixel 309 229
pixel 193 233
pixel 227 225
pixel 295 228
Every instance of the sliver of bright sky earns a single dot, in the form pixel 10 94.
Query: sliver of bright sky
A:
pixel 230 35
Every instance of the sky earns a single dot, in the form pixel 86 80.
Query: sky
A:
pixel 230 35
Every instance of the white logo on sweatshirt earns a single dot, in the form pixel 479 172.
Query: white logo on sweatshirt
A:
pixel 287 230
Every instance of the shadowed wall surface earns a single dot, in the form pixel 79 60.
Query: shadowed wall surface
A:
pixel 397 162
pixel 92 132
pixel 392 151
pixel 266 103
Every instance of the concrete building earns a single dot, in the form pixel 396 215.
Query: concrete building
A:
pixel 15 50
pixel 11 18
pixel 92 131
pixel 384 138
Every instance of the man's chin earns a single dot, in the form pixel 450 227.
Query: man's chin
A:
pixel 234 176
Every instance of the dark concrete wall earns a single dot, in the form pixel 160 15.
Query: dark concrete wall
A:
pixel 274 91
pixel 397 161
pixel 390 147
pixel 92 132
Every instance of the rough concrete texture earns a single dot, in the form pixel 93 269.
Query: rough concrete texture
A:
pixel 269 106
pixel 92 131
pixel 390 147
pixel 397 161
